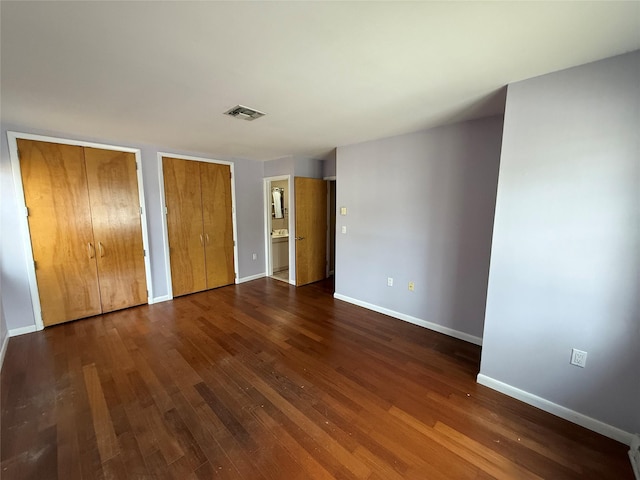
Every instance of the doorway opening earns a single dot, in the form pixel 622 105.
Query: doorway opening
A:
pixel 279 229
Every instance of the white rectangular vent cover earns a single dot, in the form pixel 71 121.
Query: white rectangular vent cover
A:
pixel 244 113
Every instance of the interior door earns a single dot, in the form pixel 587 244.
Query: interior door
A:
pixel 55 190
pixel 215 180
pixel 184 222
pixel 311 229
pixel 115 211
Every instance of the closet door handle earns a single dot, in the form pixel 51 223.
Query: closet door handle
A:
pixel 206 237
pixel 92 251
pixel 101 249
pixel 201 240
pixel 299 238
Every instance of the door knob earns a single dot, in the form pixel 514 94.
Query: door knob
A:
pixel 299 238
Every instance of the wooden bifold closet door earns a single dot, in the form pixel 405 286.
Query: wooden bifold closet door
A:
pixel 199 223
pixel 84 223
pixel 115 214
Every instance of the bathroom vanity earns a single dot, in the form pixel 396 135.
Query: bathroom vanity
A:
pixel 280 249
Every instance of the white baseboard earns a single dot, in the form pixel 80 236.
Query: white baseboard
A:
pixel 3 349
pixel 14 332
pixel 251 277
pixel 161 298
pixel 634 455
pixel 408 318
pixel 557 410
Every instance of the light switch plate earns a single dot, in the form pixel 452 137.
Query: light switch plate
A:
pixel 578 358
pixel 343 210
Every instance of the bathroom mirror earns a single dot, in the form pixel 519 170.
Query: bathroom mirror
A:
pixel 277 203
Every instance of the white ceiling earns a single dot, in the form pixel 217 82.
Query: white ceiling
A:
pixel 326 73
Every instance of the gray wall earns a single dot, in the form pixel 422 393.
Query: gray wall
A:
pixel 250 217
pixel 420 208
pixel 4 332
pixel 565 264
pixel 330 165
pixel 279 166
pixel 308 167
pixel 15 293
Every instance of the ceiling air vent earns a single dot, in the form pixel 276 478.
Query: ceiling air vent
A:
pixel 244 113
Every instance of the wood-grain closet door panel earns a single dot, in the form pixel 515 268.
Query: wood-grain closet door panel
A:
pixel 311 230
pixel 55 190
pixel 115 210
pixel 184 222
pixel 218 223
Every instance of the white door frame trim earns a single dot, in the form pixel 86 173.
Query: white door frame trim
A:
pixel 267 227
pixel 163 207
pixel 12 138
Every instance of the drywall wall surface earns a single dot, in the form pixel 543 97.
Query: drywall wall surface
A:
pixel 15 292
pixel 420 209
pixel 330 165
pixel 279 166
pixel 565 264
pixel 250 216
pixel 4 333
pixel 16 297
pixel 308 167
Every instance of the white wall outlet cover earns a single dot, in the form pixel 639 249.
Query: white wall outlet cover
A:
pixel 389 282
pixel 578 358
pixel 255 256
pixel 344 229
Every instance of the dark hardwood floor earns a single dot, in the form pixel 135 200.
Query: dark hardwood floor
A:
pixel 266 381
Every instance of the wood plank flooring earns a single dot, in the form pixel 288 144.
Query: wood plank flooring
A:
pixel 266 381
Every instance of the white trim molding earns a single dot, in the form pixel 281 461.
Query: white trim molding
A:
pixel 162 298
pixel 14 332
pixel 3 349
pixel 634 455
pixel 408 318
pixel 251 277
pixel 557 410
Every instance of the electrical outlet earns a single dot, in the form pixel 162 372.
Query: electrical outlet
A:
pixel 412 286
pixel 344 229
pixel 389 282
pixel 255 256
pixel 578 358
